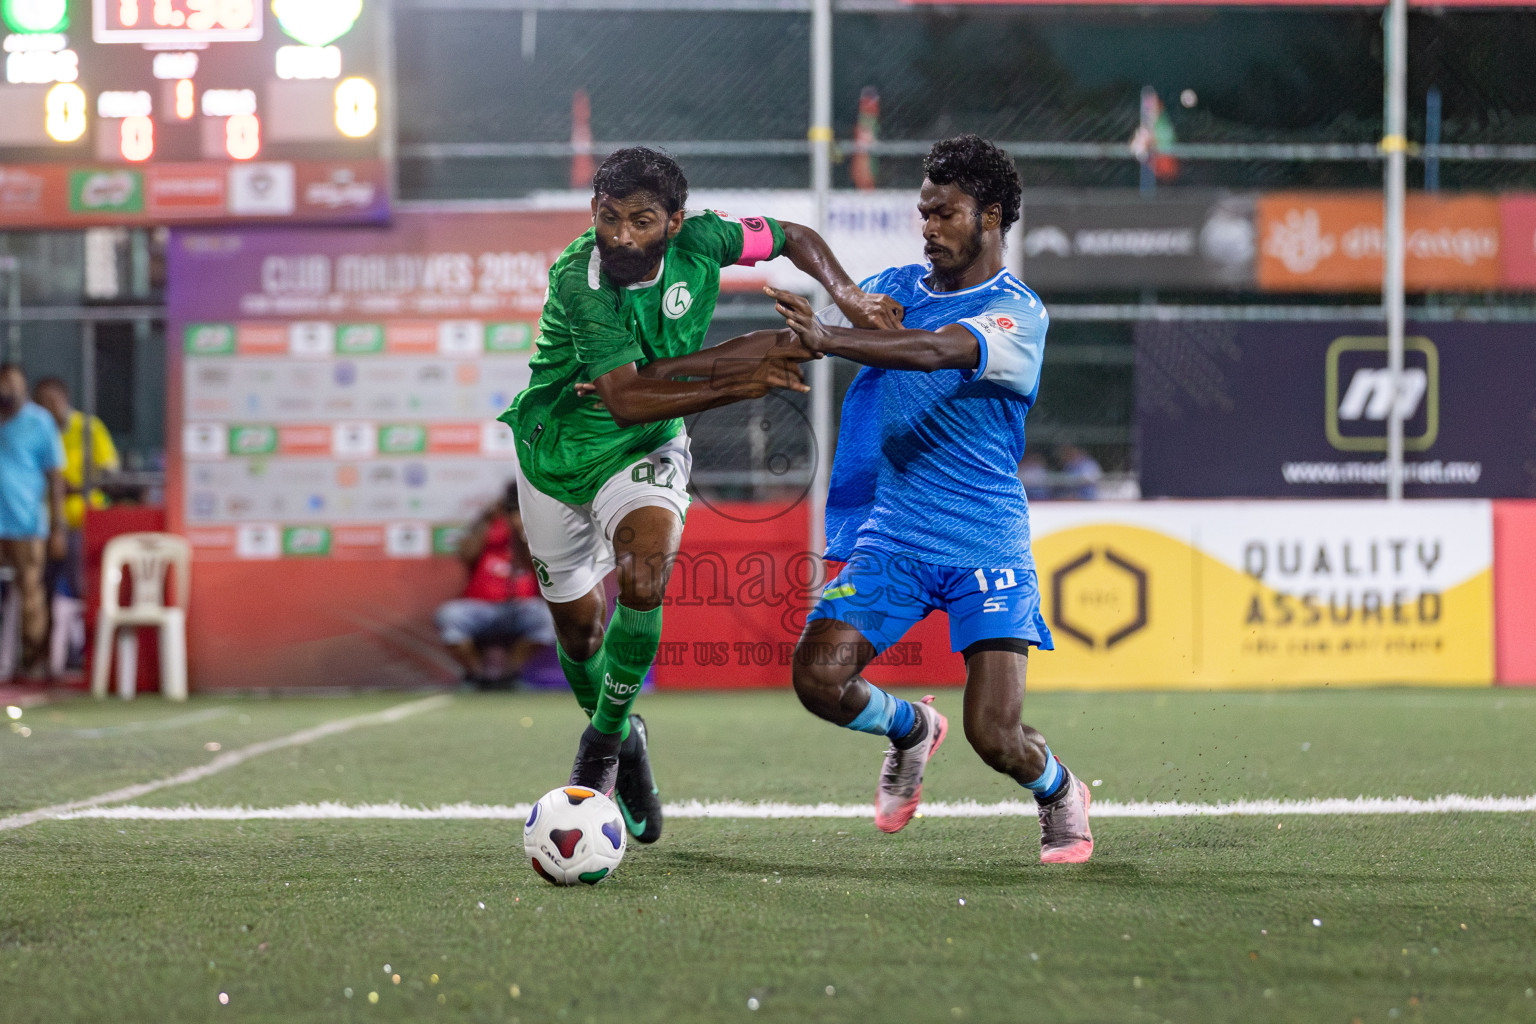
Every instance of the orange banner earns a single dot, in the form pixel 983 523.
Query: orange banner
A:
pixel 1333 242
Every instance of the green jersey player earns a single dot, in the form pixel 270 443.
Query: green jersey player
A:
pixel 602 453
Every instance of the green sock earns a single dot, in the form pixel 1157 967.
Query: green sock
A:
pixel 629 648
pixel 585 677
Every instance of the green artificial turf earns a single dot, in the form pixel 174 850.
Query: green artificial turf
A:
pixel 151 921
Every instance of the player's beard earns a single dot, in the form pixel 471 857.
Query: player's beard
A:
pixel 627 265
pixel 947 266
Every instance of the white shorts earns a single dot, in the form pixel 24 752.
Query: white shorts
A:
pixel 572 545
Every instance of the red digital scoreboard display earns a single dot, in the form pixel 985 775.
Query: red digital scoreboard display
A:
pixel 175 111
pixel 169 22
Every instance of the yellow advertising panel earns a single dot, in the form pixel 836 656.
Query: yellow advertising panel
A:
pixel 1261 594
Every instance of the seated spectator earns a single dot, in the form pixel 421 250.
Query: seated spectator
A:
pixel 501 606
pixel 1084 471
pixel 31 510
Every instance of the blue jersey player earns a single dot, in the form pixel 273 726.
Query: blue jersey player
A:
pixel 926 508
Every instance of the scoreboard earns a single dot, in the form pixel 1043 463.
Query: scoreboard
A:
pixel 175 111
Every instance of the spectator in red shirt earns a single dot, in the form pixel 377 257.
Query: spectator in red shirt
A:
pixel 501 606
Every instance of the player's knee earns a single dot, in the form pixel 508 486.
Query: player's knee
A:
pixel 819 687
pixel 579 640
pixel 996 746
pixel 642 590
pixel 642 599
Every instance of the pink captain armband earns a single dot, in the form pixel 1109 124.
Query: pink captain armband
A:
pixel 756 240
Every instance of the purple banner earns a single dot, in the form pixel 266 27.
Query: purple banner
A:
pixel 1300 410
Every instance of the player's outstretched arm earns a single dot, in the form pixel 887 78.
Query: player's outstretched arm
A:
pixel 631 398
pixel 809 252
pixel 952 347
pixel 729 356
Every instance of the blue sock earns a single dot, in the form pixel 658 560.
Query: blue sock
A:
pixel 1050 780
pixel 884 715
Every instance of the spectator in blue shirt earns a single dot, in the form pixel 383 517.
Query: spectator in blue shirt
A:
pixel 1083 469
pixel 31 509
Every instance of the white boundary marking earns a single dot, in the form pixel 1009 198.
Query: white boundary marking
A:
pixel 1451 804
pixel 227 760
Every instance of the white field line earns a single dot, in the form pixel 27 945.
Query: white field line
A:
pixel 1452 804
pixel 229 759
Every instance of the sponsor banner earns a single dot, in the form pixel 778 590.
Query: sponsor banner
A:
pixel 1517 226
pixel 1098 240
pixel 194 190
pixel 22 191
pixel 1300 410
pixel 1260 594
pixel 335 392
pixel 106 192
pixel 74 196
pixel 1332 242
pixel 1514 590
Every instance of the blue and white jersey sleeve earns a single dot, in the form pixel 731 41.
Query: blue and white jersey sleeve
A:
pixel 831 316
pixel 1012 336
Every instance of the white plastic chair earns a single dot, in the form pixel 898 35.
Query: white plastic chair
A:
pixel 150 558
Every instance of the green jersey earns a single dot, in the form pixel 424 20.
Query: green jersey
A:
pixel 568 446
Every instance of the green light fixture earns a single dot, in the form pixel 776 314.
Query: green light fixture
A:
pixel 317 22
pixel 34 16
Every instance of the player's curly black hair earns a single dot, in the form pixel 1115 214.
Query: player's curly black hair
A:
pixel 640 169
pixel 980 170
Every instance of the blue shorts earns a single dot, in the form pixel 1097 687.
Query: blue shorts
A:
pixel 883 596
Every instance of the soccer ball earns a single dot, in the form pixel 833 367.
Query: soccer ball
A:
pixel 574 835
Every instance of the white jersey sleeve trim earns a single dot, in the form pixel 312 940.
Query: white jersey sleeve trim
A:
pixel 831 316
pixel 1012 339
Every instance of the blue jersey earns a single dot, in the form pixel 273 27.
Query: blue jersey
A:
pixel 29 448
pixel 927 463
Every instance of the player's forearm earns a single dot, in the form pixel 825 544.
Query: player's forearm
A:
pixel 810 254
pixel 708 362
pixel 643 400
pixel 904 350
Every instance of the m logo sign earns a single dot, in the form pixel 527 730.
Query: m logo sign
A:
pixel 1360 397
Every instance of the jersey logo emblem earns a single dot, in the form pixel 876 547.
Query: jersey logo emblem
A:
pixel 1005 323
pixel 754 223
pixel 676 301
pixel 994 604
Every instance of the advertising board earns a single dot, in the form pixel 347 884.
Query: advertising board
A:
pixel 1300 410
pixel 1333 241
pixel 1259 594
pixel 332 423
pixel 1113 240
